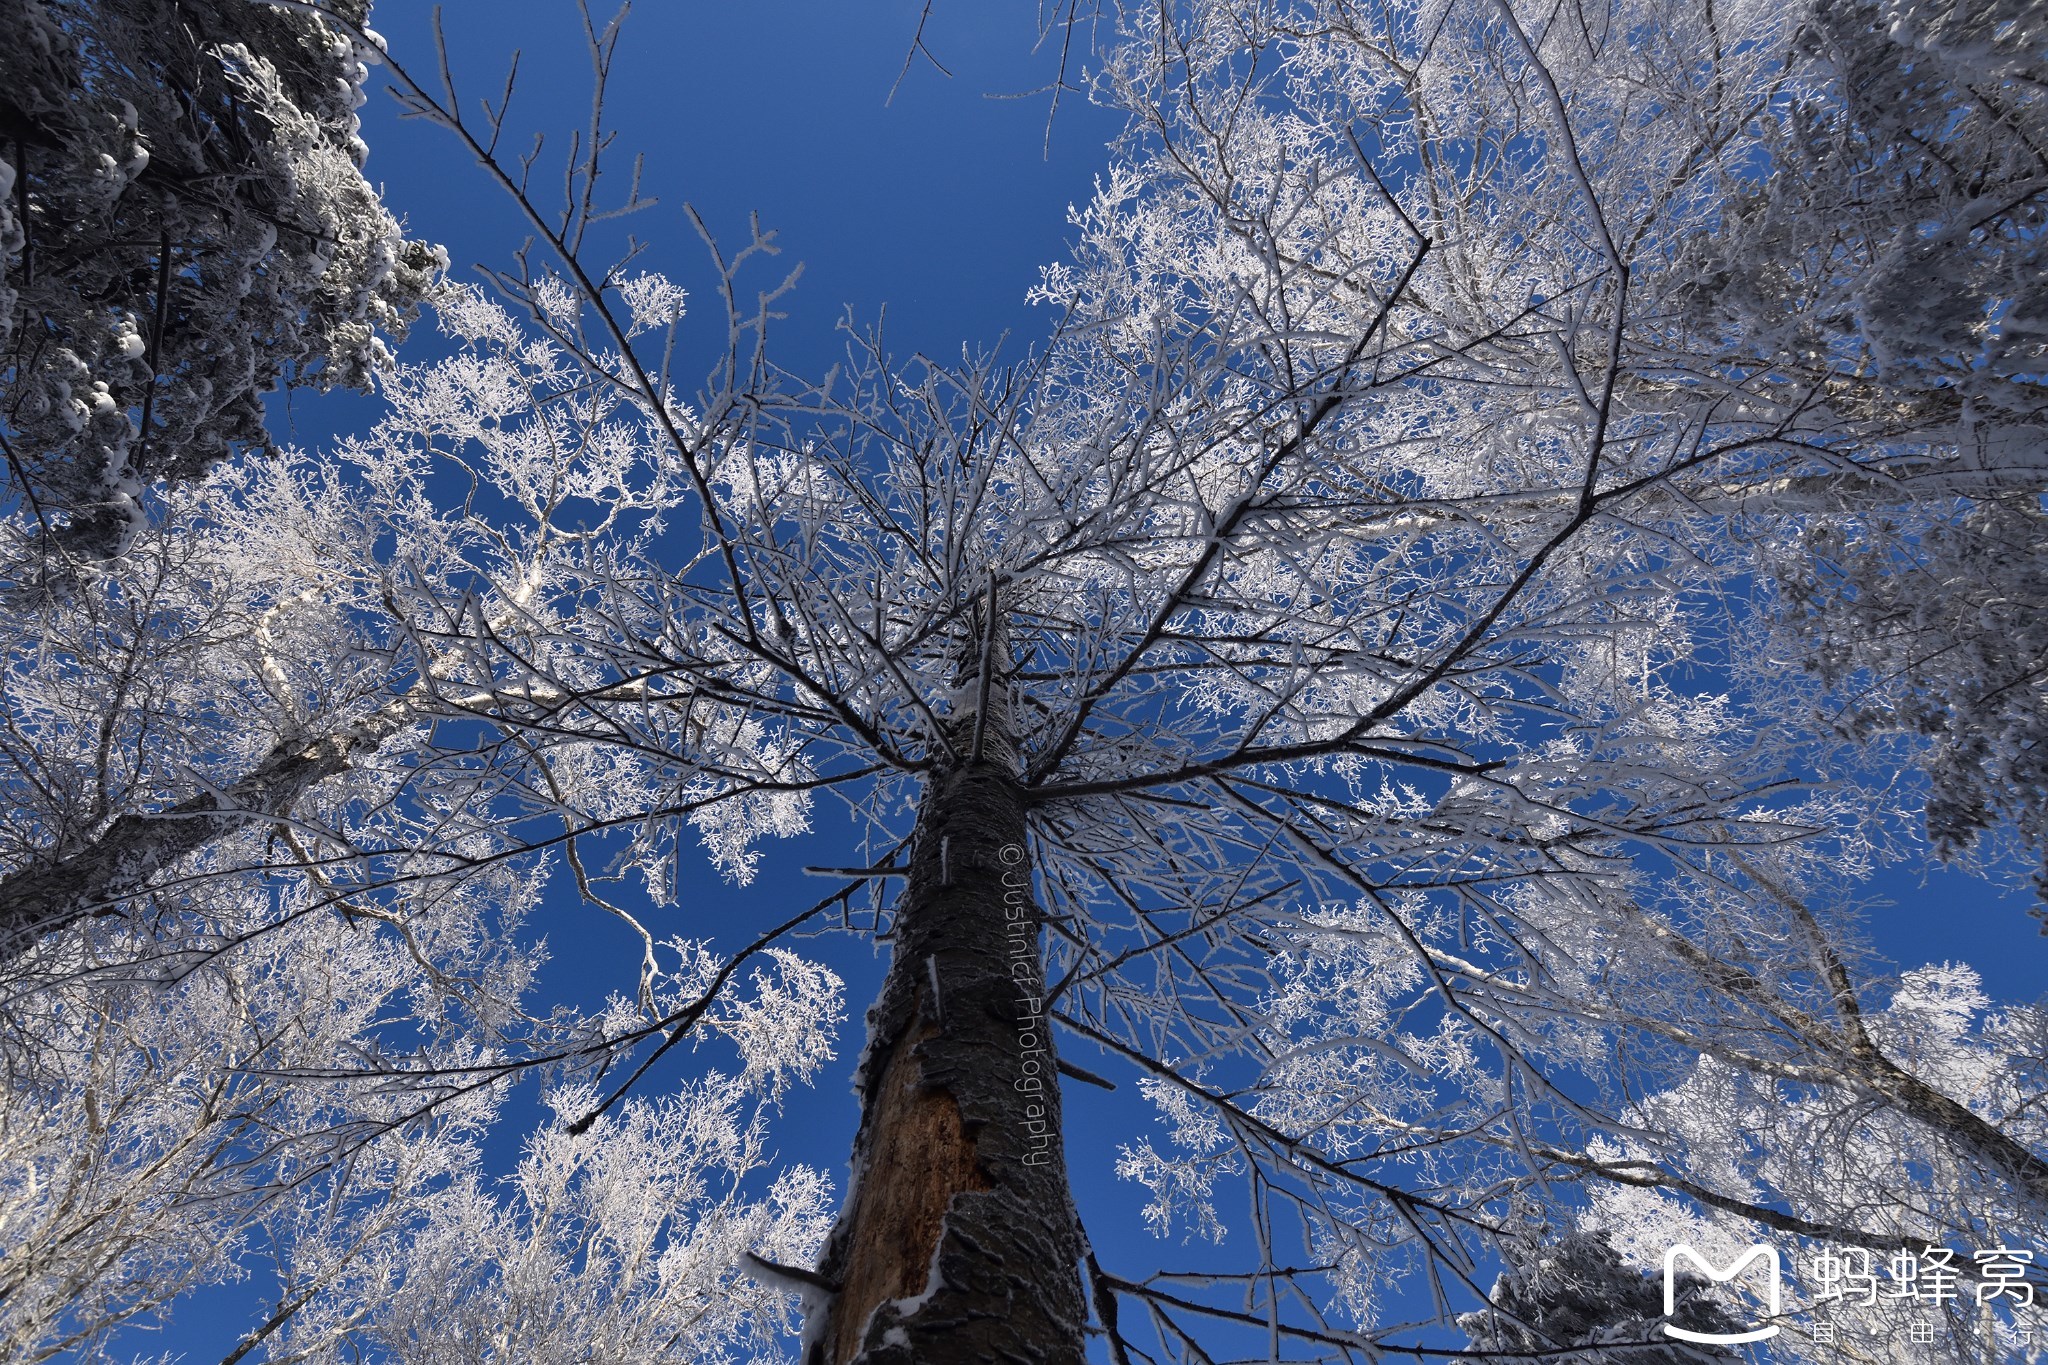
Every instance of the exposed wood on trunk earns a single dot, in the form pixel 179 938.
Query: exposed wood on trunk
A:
pixel 959 1240
pixel 922 1156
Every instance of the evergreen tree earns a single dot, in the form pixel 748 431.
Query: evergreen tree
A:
pixel 184 226
pixel 1576 1292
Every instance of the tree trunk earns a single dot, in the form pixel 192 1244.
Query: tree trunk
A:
pixel 120 860
pixel 97 876
pixel 958 1241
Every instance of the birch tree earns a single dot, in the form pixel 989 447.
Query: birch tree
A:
pixel 199 1077
pixel 1318 681
pixel 1818 1147
pixel 182 1128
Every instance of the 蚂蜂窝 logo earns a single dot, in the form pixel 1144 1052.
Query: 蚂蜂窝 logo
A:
pixel 1774 1299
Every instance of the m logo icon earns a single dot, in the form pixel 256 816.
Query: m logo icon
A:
pixel 1773 1299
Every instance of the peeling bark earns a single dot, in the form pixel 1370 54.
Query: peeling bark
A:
pixel 959 1240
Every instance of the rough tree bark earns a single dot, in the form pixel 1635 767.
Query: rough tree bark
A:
pixel 958 1241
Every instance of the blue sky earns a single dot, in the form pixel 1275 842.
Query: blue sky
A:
pixel 941 205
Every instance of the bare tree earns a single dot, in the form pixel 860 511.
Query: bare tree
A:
pixel 178 1124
